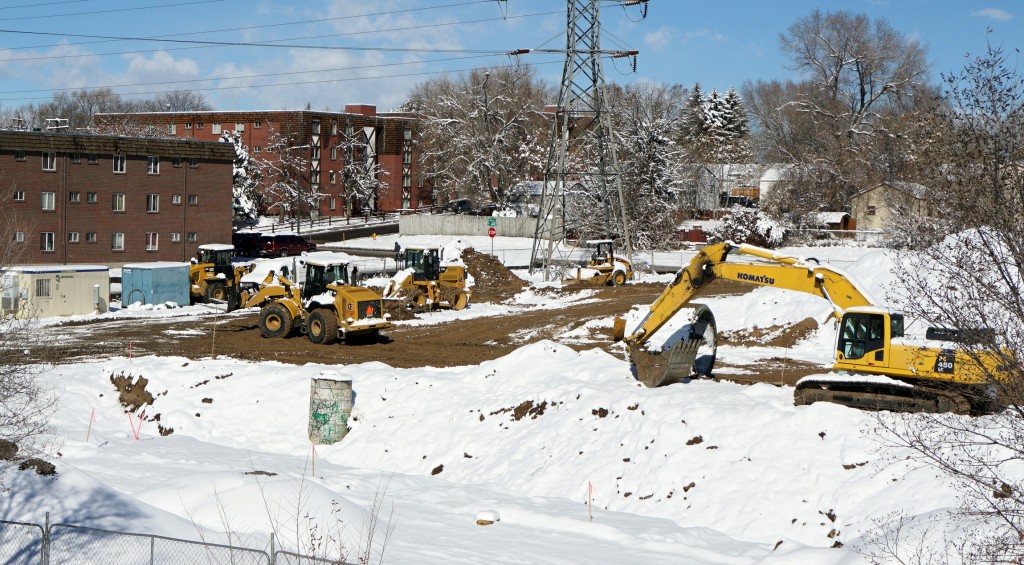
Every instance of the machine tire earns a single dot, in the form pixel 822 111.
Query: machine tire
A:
pixel 461 301
pixel 618 278
pixel 215 291
pixel 322 328
pixel 284 252
pixel 234 299
pixel 275 320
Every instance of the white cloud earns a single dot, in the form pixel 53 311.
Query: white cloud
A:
pixel 659 39
pixel 993 14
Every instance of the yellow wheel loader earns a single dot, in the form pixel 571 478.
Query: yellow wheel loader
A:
pixel 876 366
pixel 326 307
pixel 604 267
pixel 426 281
pixel 212 276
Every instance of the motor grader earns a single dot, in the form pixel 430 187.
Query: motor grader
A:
pixel 326 307
pixel 604 268
pixel 213 277
pixel 426 281
pixel 876 366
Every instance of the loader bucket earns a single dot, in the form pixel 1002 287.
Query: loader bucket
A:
pixel 618 329
pixel 692 355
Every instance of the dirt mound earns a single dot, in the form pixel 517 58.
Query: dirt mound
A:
pixel 492 281
pixel 774 336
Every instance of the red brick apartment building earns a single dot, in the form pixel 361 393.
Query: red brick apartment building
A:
pixel 109 200
pixel 389 134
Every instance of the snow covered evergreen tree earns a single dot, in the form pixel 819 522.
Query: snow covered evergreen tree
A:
pixel 246 176
pixel 361 173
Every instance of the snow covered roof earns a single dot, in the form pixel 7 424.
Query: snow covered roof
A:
pixel 154 265
pixel 912 188
pixel 35 269
pixel 825 218
pixel 217 247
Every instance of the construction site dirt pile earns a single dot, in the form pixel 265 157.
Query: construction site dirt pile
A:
pixel 492 282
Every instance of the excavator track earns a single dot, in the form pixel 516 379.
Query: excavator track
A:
pixel 879 394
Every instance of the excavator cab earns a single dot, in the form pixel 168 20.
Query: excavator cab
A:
pixel 604 253
pixel 218 257
pixel 319 276
pixel 425 263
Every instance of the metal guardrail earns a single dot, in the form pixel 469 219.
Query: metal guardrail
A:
pixel 23 543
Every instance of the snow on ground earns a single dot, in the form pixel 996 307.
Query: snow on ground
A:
pixel 703 472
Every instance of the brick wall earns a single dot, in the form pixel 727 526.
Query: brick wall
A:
pixel 83 184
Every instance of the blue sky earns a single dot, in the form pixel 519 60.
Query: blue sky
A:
pixel 719 44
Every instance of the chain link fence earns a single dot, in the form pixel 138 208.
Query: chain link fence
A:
pixel 64 544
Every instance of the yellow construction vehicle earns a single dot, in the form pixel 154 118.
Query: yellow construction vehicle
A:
pixel 212 276
pixel 604 267
pixel 326 307
pixel 426 281
pixel 876 366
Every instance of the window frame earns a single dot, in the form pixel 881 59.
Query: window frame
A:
pixel 20 155
pixel 193 237
pixel 19 195
pixel 122 160
pixel 215 128
pixel 175 237
pixel 152 203
pixel 90 237
pixel 72 237
pixel 117 241
pixel 49 161
pixel 119 198
pixel 152 241
pixel 175 200
pixel 75 196
pixel 48 196
pixel 193 199
pixel 19 237
pixel 47 242
pixel 44 288
pixel 153 165
pixel 92 197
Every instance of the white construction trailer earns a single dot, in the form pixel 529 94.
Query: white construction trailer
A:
pixel 42 291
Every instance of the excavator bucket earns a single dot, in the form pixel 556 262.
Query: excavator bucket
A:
pixel 618 329
pixel 693 354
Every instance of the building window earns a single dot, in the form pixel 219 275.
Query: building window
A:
pixel 48 200
pixel 117 242
pixel 315 128
pixel 193 163
pixel 175 161
pixel 256 149
pixel 175 237
pixel 333 204
pixel 46 241
pixel 76 158
pixel 120 163
pixel 153 165
pixel 73 237
pixel 19 155
pixel 118 202
pixel 91 197
pixel 42 288
pixel 176 199
pixel 215 128
pixel 49 161
pixel 188 125
pixel 19 237
pixel 19 195
pixel 330 177
pixel 192 237
pixel 90 237
pixel 239 127
pixel 93 159
pixel 199 125
pixel 871 210
pixel 152 203
pixel 172 129
pixel 334 153
pixel 74 196
pixel 152 241
pixel 334 129
pixel 193 199
pixel 315 152
pixel 257 125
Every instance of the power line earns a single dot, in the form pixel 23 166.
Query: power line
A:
pixel 292 83
pixel 39 5
pixel 266 26
pixel 95 12
pixel 365 32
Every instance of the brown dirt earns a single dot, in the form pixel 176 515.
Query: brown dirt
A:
pixel 772 336
pixel 458 342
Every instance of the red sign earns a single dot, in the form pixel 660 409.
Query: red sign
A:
pixel 492 232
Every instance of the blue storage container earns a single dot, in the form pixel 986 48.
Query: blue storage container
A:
pixel 155 283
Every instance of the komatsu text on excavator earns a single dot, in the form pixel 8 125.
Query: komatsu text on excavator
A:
pixel 876 365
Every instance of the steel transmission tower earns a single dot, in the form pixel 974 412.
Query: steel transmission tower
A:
pixel 581 117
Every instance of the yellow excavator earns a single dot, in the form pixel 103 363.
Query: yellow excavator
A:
pixel 326 307
pixel 876 366
pixel 425 281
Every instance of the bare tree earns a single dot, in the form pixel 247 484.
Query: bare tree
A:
pixel 284 168
pixel 178 101
pixel 25 403
pixel 968 276
pixel 482 132
pixel 361 173
pixel 843 121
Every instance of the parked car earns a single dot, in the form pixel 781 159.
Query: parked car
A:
pixel 283 245
pixel 247 243
pixel 460 206
pixel 486 210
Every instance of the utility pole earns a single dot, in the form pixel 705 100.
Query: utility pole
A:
pixel 581 116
